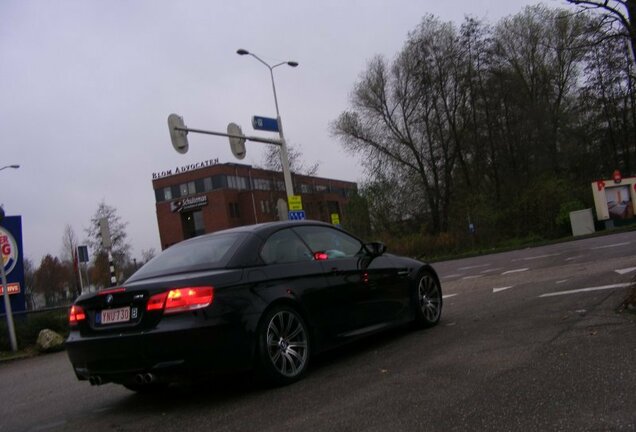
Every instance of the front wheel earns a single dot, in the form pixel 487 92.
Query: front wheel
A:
pixel 427 300
pixel 283 346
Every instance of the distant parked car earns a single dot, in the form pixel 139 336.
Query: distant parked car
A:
pixel 262 297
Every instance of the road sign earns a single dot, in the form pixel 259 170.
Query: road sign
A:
pixel 295 202
pixel 265 123
pixel 335 218
pixel 297 215
pixel 237 145
pixel 82 253
pixel 179 138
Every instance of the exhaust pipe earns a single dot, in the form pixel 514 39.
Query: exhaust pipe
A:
pixel 145 379
pixel 95 380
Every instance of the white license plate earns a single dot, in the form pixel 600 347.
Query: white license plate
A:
pixel 112 316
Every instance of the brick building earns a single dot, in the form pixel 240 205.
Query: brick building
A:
pixel 209 196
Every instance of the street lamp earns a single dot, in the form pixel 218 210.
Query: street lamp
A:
pixel 284 156
pixel 10 166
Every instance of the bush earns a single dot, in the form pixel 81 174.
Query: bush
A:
pixel 29 325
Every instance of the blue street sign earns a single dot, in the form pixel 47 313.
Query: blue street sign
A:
pixel 265 123
pixel 297 215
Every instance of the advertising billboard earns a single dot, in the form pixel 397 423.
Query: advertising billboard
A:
pixel 12 260
pixel 615 199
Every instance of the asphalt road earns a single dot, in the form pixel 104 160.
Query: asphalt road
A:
pixel 529 340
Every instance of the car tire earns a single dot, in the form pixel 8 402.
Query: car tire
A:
pixel 427 299
pixel 283 346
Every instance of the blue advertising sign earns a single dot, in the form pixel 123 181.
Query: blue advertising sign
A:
pixel 11 253
pixel 265 123
pixel 297 215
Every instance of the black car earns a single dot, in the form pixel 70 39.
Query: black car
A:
pixel 262 297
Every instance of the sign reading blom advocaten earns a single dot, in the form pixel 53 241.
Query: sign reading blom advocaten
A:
pixel 11 252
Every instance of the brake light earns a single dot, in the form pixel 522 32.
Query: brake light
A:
pixel 181 299
pixel 76 315
pixel 111 291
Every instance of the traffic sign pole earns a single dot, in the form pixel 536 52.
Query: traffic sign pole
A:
pixel 7 308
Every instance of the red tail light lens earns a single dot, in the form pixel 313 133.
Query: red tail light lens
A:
pixel 76 315
pixel 181 299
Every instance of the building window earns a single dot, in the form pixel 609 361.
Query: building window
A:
pixel 262 184
pixel 265 208
pixel 207 184
pixel 321 188
pixel 237 182
pixel 305 188
pixel 167 193
pixel 234 210
pixel 183 189
pixel 198 186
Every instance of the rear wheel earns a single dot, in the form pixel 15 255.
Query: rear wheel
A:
pixel 428 300
pixel 283 346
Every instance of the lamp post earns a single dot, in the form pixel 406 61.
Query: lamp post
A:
pixel 284 156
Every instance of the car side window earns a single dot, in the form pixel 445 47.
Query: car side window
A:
pixel 334 243
pixel 284 247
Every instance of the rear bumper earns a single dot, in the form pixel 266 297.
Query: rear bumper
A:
pixel 165 351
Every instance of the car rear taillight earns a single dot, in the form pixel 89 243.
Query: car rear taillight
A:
pixel 181 299
pixel 76 315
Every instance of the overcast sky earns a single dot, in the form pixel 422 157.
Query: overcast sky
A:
pixel 86 87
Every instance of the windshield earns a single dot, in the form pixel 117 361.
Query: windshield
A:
pixel 196 254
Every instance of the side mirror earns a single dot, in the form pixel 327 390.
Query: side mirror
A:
pixel 375 249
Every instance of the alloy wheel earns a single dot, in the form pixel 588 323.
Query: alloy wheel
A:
pixel 287 343
pixel 430 298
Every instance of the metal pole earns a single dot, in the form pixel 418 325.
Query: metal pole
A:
pixel 7 308
pixel 111 265
pixel 284 155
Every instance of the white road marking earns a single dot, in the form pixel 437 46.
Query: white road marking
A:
pixel 473 277
pixel 496 290
pixel 451 276
pixel 490 270
pixel 611 245
pixel 562 281
pixel 448 296
pixel 515 271
pixel 473 267
pixel 576 291
pixel 536 257
pixel 574 257
pixel 625 270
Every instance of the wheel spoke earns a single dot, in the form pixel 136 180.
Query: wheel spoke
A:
pixel 296 332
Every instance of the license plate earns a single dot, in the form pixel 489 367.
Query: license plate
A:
pixel 112 316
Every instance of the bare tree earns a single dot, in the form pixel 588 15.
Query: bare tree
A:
pixel 272 161
pixel 120 247
pixel 619 16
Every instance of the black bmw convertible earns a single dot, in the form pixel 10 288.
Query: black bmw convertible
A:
pixel 262 297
